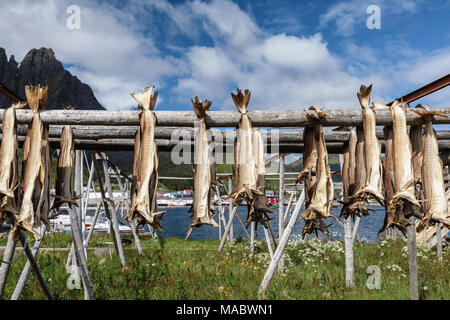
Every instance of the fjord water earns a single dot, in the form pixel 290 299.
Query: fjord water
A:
pixel 176 221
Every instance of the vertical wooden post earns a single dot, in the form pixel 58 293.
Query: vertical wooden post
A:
pixel 269 242
pixel 230 210
pixel 349 259
pixel 227 229
pixel 79 253
pixel 281 245
pixel 281 211
pixel 355 229
pixel 113 216
pixel 252 236
pixel 412 260
pixel 113 231
pixel 439 241
pixel 7 257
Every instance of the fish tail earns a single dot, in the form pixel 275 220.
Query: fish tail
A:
pixel 425 112
pixel 19 105
pixel 241 100
pixel 36 97
pixel 200 107
pixel 146 100
pixel 364 95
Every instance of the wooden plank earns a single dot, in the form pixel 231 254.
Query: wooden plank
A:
pixel 412 260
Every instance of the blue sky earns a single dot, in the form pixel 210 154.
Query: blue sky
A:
pixel 291 54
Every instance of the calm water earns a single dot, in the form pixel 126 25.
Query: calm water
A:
pixel 176 221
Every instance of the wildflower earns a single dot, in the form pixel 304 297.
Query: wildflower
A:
pixel 425 288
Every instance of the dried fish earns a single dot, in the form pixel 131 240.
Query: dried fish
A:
pixel 323 195
pixel 351 175
pixel 435 202
pixel 36 180
pixel 258 208
pixel 66 169
pixel 402 155
pixel 308 172
pixel 143 206
pixel 204 174
pixel 9 173
pixel 245 187
pixel 394 215
pixel 372 151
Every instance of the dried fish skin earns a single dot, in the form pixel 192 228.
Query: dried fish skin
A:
pixel 350 173
pixel 372 151
pixel 245 166
pixel 143 206
pixel 9 173
pixel 36 180
pixel 66 170
pixel 402 155
pixel 203 171
pixel 394 215
pixel 308 172
pixel 323 194
pixel 259 208
pixel 435 204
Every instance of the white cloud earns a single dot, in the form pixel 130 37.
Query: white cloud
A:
pixel 119 51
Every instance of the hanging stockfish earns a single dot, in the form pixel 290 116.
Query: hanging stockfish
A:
pixel 258 209
pixel 9 173
pixel 36 180
pixel 245 169
pixel 402 155
pixel 323 195
pixel 434 202
pixel 394 216
pixel 143 203
pixel 372 151
pixel 204 173
pixel 308 172
pixel 66 169
pixel 351 173
pixel 415 135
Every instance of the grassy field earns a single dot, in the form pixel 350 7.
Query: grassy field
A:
pixel 193 269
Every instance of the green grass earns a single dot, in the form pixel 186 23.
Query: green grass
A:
pixel 193 269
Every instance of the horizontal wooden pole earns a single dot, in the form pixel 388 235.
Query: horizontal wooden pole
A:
pixel 292 118
pixel 228 136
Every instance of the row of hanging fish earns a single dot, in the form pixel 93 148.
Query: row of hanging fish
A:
pixel 412 172
pixel 248 169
